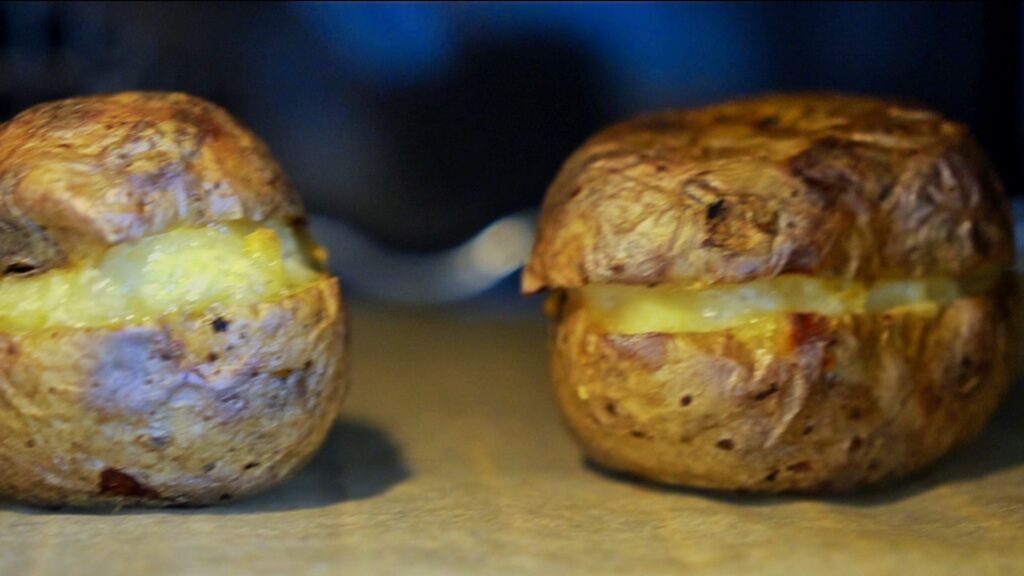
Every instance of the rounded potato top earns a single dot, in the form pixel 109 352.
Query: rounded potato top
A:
pixel 824 184
pixel 100 170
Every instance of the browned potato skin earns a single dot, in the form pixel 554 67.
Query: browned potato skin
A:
pixel 190 409
pixel 828 405
pixel 82 174
pixel 828 185
pixel 194 409
pixel 822 184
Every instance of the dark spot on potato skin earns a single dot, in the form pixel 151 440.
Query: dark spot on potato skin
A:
pixel 159 441
pixel 251 465
pixel 772 389
pixel 768 122
pixel 967 375
pixel 715 209
pixel 209 467
pixel 609 407
pixel 637 434
pixel 225 497
pixel 855 443
pixel 686 400
pixel 725 444
pixel 802 466
pixel 212 356
pixel 771 476
pixel 805 328
pixel 219 324
pixel 808 429
pixel 114 482
pixel 885 191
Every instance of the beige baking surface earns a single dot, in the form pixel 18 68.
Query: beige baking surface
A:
pixel 450 459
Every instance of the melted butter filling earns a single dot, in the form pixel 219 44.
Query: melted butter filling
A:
pixel 667 308
pixel 181 270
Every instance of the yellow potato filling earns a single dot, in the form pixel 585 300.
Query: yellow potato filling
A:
pixel 667 308
pixel 181 270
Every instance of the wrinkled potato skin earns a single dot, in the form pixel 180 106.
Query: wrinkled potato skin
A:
pixel 83 174
pixel 822 184
pixel 828 405
pixel 192 410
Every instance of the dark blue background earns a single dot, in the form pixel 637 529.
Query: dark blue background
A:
pixel 422 122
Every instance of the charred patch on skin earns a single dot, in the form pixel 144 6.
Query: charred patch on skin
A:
pixel 806 328
pixel 219 324
pixel 715 209
pixel 114 482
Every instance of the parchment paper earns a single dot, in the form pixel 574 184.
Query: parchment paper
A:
pixel 451 459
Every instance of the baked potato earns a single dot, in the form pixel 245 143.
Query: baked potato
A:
pixel 789 293
pixel 168 333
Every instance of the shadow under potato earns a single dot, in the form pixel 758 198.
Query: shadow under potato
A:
pixel 357 461
pixel 999 447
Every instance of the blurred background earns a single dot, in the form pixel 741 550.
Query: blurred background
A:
pixel 412 127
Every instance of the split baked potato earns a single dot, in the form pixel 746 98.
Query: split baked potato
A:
pixel 168 333
pixel 790 293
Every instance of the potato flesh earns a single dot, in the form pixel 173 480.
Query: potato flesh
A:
pixel 184 269
pixel 676 309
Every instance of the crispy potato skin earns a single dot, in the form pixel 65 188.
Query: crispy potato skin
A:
pixel 192 410
pixel 825 405
pixel 86 173
pixel 830 185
